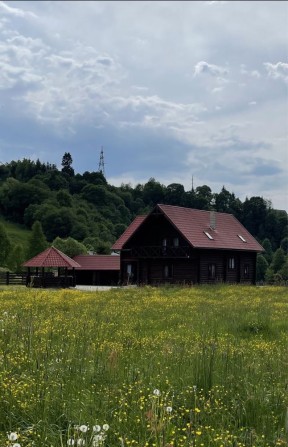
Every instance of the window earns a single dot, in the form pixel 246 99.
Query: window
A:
pixel 211 271
pixel 231 263
pixel 164 246
pixel 168 271
pixel 242 238
pixel 246 270
pixel 208 235
pixel 176 242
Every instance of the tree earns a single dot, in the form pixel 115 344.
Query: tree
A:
pixel 16 258
pixel 67 164
pixel 254 214
pixel 64 198
pixel 284 270
pixel 266 244
pixel 203 195
pixel 261 267
pixel 69 246
pixel 284 245
pixel 278 260
pixel 5 246
pixel 37 241
pixel 153 192
pixel 57 222
pixel 174 194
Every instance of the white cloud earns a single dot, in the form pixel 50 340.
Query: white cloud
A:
pixel 6 9
pixel 278 70
pixel 203 67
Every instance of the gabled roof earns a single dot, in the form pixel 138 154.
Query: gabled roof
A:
pixel 128 232
pixel 51 257
pixel 98 262
pixel 192 224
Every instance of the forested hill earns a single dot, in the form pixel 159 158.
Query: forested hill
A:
pixel 88 209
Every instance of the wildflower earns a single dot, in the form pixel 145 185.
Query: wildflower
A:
pixel 83 428
pixel 156 392
pixel 80 441
pixel 169 409
pixel 12 436
pixel 16 444
pixel 70 442
pixel 105 427
pixel 96 428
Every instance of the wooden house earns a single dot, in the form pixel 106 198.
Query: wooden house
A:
pixel 187 246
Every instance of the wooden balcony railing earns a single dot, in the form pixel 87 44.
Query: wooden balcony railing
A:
pixel 156 251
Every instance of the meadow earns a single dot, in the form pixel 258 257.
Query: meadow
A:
pixel 156 367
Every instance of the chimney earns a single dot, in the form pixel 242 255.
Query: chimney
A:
pixel 212 220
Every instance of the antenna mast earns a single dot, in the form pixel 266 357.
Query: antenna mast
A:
pixel 101 162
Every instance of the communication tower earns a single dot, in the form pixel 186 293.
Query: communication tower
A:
pixel 101 162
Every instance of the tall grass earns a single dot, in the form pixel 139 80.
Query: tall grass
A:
pixel 203 366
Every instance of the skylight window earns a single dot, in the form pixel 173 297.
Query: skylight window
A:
pixel 242 238
pixel 208 235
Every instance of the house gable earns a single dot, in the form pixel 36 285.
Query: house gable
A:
pixel 200 229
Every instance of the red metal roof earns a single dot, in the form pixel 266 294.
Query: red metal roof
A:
pixel 98 262
pixel 192 224
pixel 128 232
pixel 51 257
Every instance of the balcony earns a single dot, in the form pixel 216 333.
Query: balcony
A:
pixel 159 251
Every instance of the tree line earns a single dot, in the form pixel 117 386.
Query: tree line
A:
pixel 91 214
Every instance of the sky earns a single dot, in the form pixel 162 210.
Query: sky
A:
pixel 170 90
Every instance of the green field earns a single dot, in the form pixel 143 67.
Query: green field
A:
pixel 158 367
pixel 17 234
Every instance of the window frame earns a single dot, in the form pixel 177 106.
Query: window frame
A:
pixel 231 263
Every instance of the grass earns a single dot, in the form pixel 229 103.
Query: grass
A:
pixel 158 367
pixel 16 233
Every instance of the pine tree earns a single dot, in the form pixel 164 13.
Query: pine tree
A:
pixel 67 164
pixel 37 242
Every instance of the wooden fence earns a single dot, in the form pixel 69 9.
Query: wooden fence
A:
pixel 13 279
pixel 47 280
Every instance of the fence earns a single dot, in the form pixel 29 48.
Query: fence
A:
pixel 46 280
pixel 13 279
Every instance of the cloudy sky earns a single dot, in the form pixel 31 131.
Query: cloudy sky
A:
pixel 169 89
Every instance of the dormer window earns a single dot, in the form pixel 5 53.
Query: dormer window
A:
pixel 176 242
pixel 242 238
pixel 208 235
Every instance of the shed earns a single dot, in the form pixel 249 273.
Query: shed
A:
pixel 97 269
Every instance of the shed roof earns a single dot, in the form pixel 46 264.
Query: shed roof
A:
pixel 98 262
pixel 194 225
pixel 51 257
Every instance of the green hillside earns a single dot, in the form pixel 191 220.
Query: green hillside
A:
pixel 16 233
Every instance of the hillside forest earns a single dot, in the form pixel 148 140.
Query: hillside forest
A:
pixel 80 213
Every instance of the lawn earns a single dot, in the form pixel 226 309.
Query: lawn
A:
pixel 158 367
